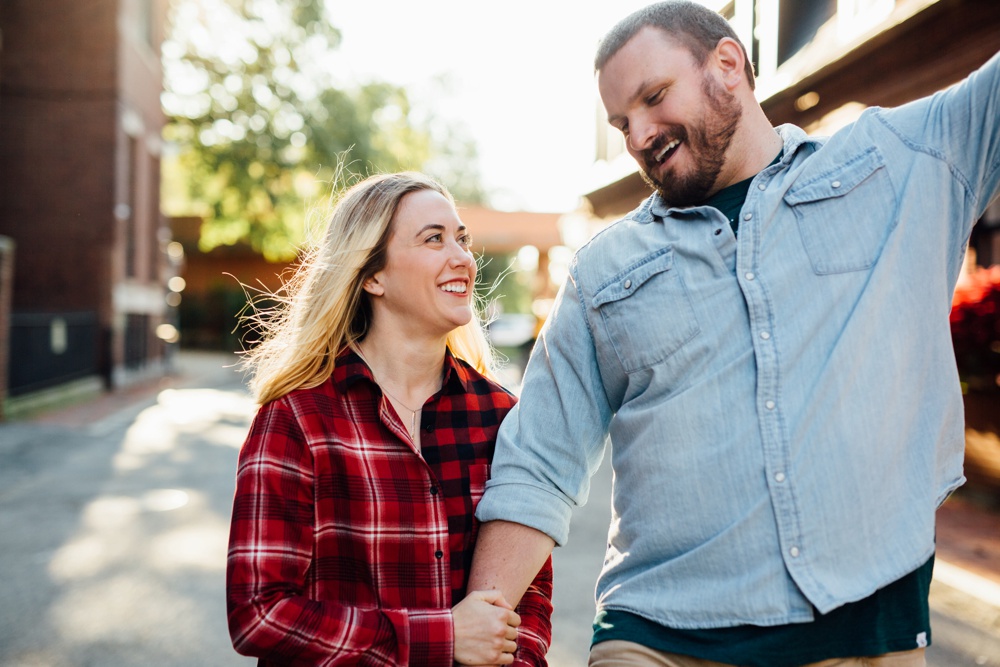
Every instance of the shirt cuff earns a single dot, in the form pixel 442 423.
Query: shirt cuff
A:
pixel 432 640
pixel 528 505
pixel 530 652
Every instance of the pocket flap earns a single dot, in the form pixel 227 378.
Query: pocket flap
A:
pixel 632 278
pixel 838 181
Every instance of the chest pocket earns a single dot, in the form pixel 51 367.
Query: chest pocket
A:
pixel 845 215
pixel 646 311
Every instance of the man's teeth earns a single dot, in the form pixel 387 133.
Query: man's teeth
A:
pixel 666 149
pixel 458 288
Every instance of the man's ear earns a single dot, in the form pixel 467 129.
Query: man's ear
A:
pixel 731 60
pixel 373 286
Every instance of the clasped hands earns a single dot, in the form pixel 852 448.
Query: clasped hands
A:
pixel 485 628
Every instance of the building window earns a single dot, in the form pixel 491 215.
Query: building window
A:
pixel 145 21
pixel 131 222
pixel 610 141
pixel 798 23
pixel 857 16
pixel 136 340
pixel 153 228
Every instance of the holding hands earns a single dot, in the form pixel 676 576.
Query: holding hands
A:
pixel 485 628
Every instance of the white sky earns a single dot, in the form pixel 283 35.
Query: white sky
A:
pixel 521 81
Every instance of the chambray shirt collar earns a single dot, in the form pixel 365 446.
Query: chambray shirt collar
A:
pixel 794 138
pixel 350 368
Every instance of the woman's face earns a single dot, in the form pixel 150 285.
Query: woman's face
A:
pixel 427 283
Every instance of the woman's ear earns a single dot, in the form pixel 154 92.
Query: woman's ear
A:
pixel 373 286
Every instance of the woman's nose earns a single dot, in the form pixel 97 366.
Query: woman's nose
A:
pixel 460 255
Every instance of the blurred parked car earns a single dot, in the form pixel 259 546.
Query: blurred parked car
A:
pixel 512 330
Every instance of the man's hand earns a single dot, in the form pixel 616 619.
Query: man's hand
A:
pixel 485 629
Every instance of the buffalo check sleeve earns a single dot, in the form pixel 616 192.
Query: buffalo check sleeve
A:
pixel 535 608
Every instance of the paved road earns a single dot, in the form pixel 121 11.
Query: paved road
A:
pixel 114 524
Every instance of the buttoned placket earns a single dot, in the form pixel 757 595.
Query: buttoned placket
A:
pixel 775 441
pixel 436 500
pixel 439 542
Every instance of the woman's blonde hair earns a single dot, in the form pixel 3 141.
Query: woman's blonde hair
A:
pixel 323 308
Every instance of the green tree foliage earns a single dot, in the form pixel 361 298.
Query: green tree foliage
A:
pixel 260 129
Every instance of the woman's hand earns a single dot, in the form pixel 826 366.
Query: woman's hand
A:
pixel 485 629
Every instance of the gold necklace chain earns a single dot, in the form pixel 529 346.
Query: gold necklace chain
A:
pixel 413 413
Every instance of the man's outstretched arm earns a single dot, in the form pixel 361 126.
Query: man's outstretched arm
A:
pixel 507 558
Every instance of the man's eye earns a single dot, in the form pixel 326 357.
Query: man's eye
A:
pixel 655 97
pixel 624 129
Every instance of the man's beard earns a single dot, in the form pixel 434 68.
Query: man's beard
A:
pixel 707 143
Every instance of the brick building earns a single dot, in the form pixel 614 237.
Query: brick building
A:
pixel 80 136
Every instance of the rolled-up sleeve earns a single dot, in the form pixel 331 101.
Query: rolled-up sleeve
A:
pixel 553 440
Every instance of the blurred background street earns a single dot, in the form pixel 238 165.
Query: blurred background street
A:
pixel 114 514
pixel 163 161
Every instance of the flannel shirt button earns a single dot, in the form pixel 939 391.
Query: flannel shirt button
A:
pixel 434 490
pixel 439 554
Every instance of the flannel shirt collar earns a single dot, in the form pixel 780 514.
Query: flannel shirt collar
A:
pixel 351 368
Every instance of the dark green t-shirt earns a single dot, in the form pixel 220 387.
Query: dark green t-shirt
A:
pixel 730 200
pixel 895 618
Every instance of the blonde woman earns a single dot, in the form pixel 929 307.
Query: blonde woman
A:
pixel 353 522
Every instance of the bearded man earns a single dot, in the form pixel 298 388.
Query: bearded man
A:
pixel 765 340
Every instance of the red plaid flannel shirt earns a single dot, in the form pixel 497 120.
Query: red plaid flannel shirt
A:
pixel 346 546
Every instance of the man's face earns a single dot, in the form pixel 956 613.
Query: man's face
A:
pixel 677 118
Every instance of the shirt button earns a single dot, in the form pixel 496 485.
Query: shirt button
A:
pixel 749 275
pixel 434 490
pixel 835 184
pixel 779 477
pixel 761 186
pixel 765 335
pixel 769 405
pixel 439 554
pixel 628 284
pixel 794 551
pixel 748 216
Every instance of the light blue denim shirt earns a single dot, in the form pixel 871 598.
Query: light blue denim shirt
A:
pixel 784 408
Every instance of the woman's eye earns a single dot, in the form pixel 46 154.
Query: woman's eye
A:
pixel 434 238
pixel 465 240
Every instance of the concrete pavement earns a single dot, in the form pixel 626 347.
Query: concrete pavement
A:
pixel 115 517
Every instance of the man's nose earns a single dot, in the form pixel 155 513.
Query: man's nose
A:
pixel 641 135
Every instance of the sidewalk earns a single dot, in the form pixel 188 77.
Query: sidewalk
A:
pixel 191 369
pixel 968 549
